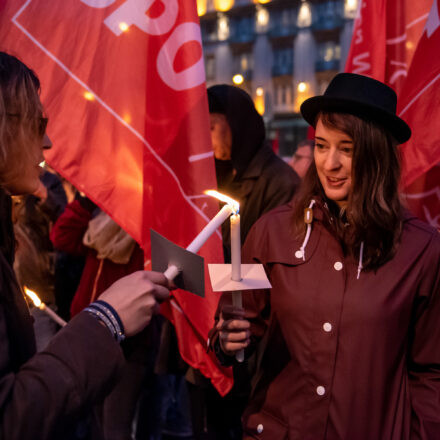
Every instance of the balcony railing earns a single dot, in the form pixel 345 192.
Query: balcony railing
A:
pixel 277 31
pixel 242 31
pixel 322 65
pixel 282 69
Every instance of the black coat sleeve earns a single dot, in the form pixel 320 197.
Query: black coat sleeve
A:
pixel 77 369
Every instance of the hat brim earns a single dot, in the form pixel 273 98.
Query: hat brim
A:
pixel 396 126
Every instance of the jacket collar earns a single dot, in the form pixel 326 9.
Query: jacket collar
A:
pixel 283 247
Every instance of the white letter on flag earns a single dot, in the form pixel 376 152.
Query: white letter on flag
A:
pixel 192 76
pixel 135 12
pixel 98 3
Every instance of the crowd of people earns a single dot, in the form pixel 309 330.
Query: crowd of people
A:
pixel 346 344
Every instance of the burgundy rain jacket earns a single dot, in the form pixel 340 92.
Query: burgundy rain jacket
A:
pixel 344 358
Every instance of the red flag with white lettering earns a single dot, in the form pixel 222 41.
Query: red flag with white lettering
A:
pixel 124 87
pixel 397 42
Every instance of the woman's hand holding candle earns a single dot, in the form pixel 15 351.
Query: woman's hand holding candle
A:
pixel 234 331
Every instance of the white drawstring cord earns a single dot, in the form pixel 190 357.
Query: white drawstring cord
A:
pixel 361 256
pixel 302 249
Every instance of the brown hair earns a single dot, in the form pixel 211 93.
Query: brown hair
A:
pixel 374 210
pixel 20 115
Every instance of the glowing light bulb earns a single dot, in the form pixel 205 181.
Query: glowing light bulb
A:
pixel 238 79
pixel 302 87
pixel 304 15
pixel 89 96
pixel 223 5
pixel 123 26
pixel 201 7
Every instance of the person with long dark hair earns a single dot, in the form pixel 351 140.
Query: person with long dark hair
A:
pixel 42 396
pixel 348 338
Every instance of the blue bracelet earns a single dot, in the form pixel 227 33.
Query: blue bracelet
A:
pixel 109 317
pixel 113 311
pixel 101 317
pixel 110 313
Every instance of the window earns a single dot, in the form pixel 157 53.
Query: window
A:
pixel 329 56
pixel 222 27
pixel 350 8
pixel 282 61
pixel 329 15
pixel 244 64
pixel 243 29
pixel 283 22
pixel 262 19
pixel 304 15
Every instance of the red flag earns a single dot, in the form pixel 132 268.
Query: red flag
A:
pixel 397 42
pixel 123 85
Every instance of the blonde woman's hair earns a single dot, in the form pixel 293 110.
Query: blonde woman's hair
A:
pixel 20 115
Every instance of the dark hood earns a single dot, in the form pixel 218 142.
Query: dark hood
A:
pixel 247 126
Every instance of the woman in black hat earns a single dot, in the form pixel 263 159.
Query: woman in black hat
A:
pixel 348 339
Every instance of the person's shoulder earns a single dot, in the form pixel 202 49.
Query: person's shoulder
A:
pixel 420 234
pixel 414 225
pixel 271 233
pixel 277 217
pixel 279 172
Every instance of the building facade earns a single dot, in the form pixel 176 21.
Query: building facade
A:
pixel 280 51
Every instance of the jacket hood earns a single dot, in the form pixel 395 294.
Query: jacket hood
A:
pixel 247 126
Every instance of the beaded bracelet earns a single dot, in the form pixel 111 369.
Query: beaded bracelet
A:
pixel 108 315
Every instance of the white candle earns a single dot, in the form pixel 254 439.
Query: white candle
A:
pixel 60 321
pixel 237 300
pixel 38 303
pixel 200 240
pixel 210 228
pixel 235 248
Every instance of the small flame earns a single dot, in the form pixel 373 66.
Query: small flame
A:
pixel 33 296
pixel 224 198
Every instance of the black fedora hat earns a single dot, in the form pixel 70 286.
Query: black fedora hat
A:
pixel 360 96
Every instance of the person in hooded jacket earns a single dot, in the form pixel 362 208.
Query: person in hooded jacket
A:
pixel 349 334
pixel 247 169
pixel 44 395
pixel 250 172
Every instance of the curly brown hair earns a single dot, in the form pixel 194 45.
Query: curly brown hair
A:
pixel 374 210
pixel 20 115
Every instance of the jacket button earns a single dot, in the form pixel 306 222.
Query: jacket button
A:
pixel 320 390
pixel 338 265
pixel 260 428
pixel 327 327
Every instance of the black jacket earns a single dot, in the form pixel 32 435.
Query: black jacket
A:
pixel 43 395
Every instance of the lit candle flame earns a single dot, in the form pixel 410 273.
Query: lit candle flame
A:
pixel 33 296
pixel 224 198
pixel 40 305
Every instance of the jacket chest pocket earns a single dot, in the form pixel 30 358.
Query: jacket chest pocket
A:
pixel 264 426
